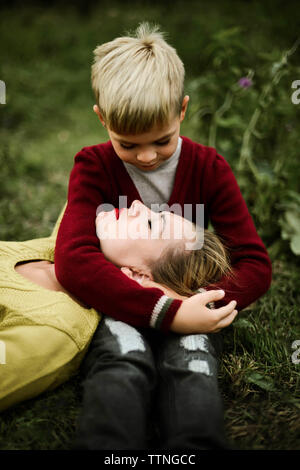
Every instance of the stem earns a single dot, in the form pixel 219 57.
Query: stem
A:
pixel 220 111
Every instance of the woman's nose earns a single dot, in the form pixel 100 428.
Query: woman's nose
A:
pixel 133 208
pixel 136 207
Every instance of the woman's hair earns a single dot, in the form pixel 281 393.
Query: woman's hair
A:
pixel 185 271
pixel 138 81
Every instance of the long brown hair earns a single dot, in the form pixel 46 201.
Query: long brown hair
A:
pixel 185 271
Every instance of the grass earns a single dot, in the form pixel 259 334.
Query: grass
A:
pixel 260 382
pixel 48 118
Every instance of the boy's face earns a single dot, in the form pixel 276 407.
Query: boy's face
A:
pixel 149 150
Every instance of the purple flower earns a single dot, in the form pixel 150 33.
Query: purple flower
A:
pixel 245 82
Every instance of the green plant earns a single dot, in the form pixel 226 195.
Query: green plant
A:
pixel 248 115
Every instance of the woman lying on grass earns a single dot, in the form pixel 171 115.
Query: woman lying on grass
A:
pixel 46 331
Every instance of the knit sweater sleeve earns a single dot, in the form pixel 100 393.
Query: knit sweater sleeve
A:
pixel 81 267
pixel 232 221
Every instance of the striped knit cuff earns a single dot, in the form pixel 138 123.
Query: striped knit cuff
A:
pixel 159 311
pixel 199 291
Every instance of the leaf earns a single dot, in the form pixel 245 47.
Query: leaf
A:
pixel 227 33
pixel 293 195
pixel 293 220
pixel 266 383
pixel 265 168
pixel 275 67
pixel 233 121
pixel 271 56
pixel 295 244
pixel 285 235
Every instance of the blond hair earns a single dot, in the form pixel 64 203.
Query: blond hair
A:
pixel 185 271
pixel 138 81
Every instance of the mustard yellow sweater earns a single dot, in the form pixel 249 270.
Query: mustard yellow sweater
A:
pixel 44 334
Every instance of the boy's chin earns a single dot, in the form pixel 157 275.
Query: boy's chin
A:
pixel 148 167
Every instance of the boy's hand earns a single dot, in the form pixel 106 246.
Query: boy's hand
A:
pixel 194 317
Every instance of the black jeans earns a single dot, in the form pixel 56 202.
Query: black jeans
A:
pixel 145 389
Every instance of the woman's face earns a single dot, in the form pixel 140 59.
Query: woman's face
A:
pixel 133 237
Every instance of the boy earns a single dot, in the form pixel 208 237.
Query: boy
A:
pixel 138 83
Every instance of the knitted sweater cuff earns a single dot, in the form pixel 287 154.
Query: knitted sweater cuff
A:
pixel 164 312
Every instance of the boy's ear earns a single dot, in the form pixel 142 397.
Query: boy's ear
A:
pixel 184 107
pixel 97 111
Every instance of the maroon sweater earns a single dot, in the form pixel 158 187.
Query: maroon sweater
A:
pixel 202 177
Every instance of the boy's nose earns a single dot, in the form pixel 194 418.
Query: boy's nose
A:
pixel 147 157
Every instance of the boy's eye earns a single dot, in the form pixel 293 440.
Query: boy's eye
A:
pixel 165 142
pixel 128 147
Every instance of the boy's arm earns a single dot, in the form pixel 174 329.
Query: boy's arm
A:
pixel 232 221
pixel 82 269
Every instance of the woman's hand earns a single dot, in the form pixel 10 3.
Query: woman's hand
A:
pixel 194 317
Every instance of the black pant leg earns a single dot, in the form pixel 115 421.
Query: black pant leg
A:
pixel 189 404
pixel 119 379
